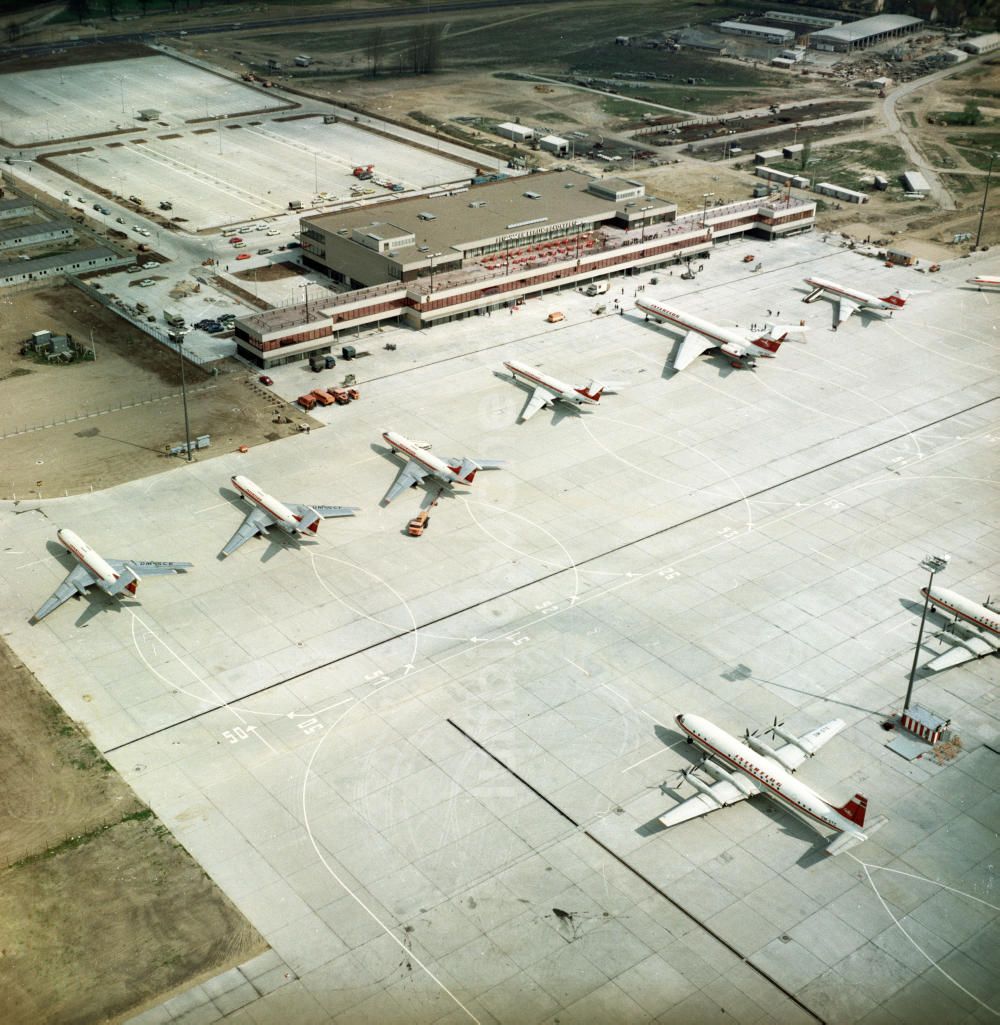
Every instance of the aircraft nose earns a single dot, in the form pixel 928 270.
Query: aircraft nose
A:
pixel 679 719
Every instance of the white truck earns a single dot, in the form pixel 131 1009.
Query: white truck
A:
pixel 596 288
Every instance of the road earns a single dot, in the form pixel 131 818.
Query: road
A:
pixel 894 123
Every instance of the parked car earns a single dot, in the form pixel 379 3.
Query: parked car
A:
pixel 272 231
pixel 264 379
pixel 235 239
pixel 264 252
pixel 294 245
pixel 119 220
pixel 149 265
pixel 145 231
pixel 243 256
pixel 146 283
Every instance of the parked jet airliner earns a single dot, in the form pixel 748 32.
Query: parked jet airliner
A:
pixel 546 391
pixel 422 463
pixel 975 630
pixel 985 281
pixel 850 300
pixel 743 770
pixel 268 512
pixel 113 576
pixel 743 347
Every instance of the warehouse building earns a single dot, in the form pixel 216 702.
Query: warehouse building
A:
pixel 760 33
pixel 859 35
pixel 16 207
pixel 839 192
pixel 554 144
pixel 794 18
pixel 428 236
pixel 34 234
pixel 519 133
pixel 982 44
pixel 81 261
pixel 914 181
pixel 489 248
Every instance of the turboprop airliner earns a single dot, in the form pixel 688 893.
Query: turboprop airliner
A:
pixel 975 629
pixel 268 512
pixel 985 281
pixel 113 576
pixel 850 300
pixel 422 463
pixel 742 347
pixel 546 391
pixel 745 769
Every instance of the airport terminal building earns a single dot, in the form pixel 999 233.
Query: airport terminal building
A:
pixel 424 261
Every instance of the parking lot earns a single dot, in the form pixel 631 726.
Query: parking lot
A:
pixel 429 771
pixel 47 104
pixel 226 172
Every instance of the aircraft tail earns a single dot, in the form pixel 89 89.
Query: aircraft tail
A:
pixel 846 840
pixel 309 520
pixel 466 470
pixel 592 391
pixel 127 581
pixel 786 332
pixel 898 298
pixel 855 809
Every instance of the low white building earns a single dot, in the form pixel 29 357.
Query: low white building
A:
pixel 982 44
pixel 762 33
pixel 554 144
pixel 914 181
pixel 839 192
pixel 519 133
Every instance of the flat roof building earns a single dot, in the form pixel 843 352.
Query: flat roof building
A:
pixel 519 133
pixel 802 19
pixel 15 207
pixel 359 249
pixel 982 44
pixel 34 234
pixel 18 272
pixel 762 33
pixel 554 144
pixel 914 181
pixel 858 35
pixel 489 247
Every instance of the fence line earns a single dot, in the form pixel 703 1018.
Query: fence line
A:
pixel 139 321
pixel 196 389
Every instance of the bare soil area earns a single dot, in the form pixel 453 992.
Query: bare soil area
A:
pixel 100 909
pixel 103 444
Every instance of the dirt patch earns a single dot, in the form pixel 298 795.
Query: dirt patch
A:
pixel 272 272
pixel 100 909
pixel 105 445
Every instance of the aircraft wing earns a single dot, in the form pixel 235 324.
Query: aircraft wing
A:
pixel 720 795
pixel 483 464
pixel 964 650
pixel 536 400
pixel 148 569
pixel 412 473
pixel 844 309
pixel 691 347
pixel 326 511
pixel 792 755
pixel 255 522
pixel 78 579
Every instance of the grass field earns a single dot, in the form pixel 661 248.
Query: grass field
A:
pixel 851 164
pixel 977 148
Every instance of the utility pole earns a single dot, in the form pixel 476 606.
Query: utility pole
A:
pixel 178 336
pixel 933 564
pixel 306 287
pixel 704 206
pixel 986 192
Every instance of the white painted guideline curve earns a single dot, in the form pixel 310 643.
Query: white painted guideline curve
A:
pixel 920 949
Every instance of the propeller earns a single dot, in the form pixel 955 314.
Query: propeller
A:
pixel 747 735
pixel 773 728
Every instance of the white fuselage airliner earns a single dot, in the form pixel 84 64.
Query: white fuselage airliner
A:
pixel 546 390
pixel 113 576
pixel 742 347
pixel 422 463
pixel 976 628
pixel 268 512
pixel 851 300
pixel 985 281
pixel 743 770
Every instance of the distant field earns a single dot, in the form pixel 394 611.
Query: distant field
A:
pixel 851 164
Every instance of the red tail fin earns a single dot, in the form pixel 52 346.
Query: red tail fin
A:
pixel 314 527
pixel 855 809
pixel 895 299
pixel 132 586
pixel 588 394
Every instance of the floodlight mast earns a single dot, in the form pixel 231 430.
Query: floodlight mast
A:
pixel 933 564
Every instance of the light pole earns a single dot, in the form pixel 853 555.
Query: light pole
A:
pixel 933 564
pixel 982 212
pixel 704 206
pixel 306 287
pixel 178 336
